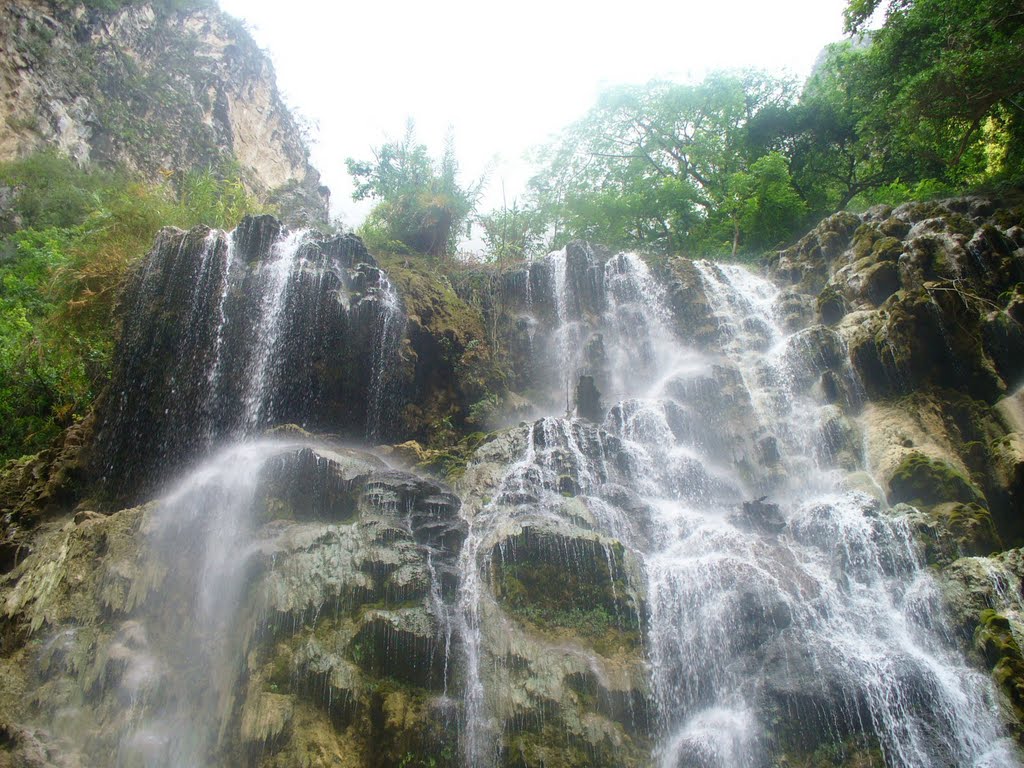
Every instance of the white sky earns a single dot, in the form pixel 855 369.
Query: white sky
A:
pixel 505 76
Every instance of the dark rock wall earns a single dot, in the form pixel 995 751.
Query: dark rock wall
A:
pixel 197 362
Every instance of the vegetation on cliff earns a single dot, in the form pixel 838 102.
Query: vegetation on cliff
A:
pixel 422 206
pixel 910 329
pixel 72 234
pixel 928 105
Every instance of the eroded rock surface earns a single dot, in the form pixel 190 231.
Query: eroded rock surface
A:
pixel 155 90
pixel 338 645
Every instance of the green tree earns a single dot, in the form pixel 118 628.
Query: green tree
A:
pixel 839 139
pixel 950 70
pixel 78 231
pixel 422 206
pixel 764 207
pixel 650 166
pixel 511 233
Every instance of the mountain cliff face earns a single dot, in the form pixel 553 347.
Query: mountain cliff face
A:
pixel 782 527
pixel 153 90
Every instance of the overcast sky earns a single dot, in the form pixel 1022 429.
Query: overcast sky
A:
pixel 505 77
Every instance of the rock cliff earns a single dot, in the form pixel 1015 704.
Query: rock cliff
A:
pixel 611 588
pixel 157 89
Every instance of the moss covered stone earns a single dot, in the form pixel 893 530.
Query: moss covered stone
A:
pixel 971 527
pixel 925 481
pixel 569 586
pixel 450 366
pixel 994 638
pixel 831 305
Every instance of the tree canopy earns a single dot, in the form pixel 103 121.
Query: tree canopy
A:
pixel 658 165
pixel 422 206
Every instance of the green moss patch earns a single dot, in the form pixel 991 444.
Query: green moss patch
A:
pixel 971 527
pixel 923 481
pixel 994 638
pixel 452 365
pixel 570 586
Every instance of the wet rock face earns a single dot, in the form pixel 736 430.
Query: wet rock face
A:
pixel 228 334
pixel 581 311
pixel 557 602
pixel 920 293
pixel 338 646
pixel 925 299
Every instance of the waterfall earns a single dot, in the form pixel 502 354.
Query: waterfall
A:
pixel 201 535
pixel 228 334
pixel 387 341
pixel 274 284
pixel 771 624
pixel 678 571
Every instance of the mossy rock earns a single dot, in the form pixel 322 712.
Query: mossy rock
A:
pixel 554 747
pixel 831 305
pixel 994 638
pixel 856 752
pixel 887 248
pixel 881 280
pixel 971 527
pixel 568 586
pixel 923 481
pixel 895 227
pixel 864 241
pixel 450 366
pixel 1009 217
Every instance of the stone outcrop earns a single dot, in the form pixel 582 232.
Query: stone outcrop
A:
pixel 343 634
pixel 560 598
pixel 159 92
pixel 385 617
pixel 925 297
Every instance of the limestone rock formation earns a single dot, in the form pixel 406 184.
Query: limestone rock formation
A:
pixel 338 649
pixel 723 553
pixel 924 296
pixel 157 91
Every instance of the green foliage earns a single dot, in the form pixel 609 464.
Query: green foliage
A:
pixel 214 199
pixel 897 192
pixel 77 233
pixel 946 73
pixel 931 104
pixel 658 167
pixel 764 205
pixel 422 206
pixel 41 376
pixel 511 233
pixel 52 191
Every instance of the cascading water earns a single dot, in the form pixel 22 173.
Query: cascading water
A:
pixel 684 577
pixel 277 276
pixel 227 334
pixel 201 532
pixel 387 341
pixel 771 626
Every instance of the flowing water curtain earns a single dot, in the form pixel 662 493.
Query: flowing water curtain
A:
pixel 769 627
pixel 257 327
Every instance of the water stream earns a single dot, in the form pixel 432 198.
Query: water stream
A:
pixel 767 606
pixel 806 615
